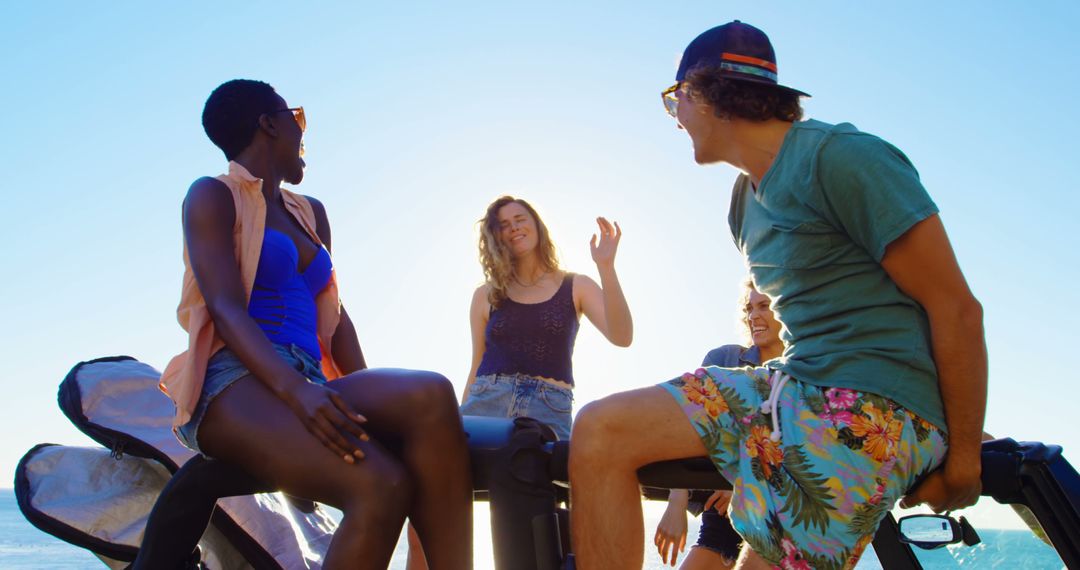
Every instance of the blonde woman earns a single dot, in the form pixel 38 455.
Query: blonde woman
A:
pixel 524 320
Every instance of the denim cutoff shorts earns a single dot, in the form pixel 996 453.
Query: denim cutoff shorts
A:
pixel 225 368
pixel 521 395
pixel 717 534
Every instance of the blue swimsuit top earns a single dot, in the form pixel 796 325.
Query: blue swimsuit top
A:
pixel 283 298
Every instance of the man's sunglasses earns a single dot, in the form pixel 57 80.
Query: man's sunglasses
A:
pixel 671 102
pixel 298 114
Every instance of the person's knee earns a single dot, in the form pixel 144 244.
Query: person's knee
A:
pixel 431 397
pixel 596 433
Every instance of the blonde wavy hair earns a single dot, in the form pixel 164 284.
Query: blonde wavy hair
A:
pixel 495 257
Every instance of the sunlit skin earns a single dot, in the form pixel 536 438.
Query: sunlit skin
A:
pixel 607 523
pixel 671 532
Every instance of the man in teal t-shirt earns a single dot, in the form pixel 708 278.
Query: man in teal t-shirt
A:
pixel 881 391
pixel 814 233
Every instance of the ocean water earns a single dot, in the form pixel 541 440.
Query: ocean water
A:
pixel 24 546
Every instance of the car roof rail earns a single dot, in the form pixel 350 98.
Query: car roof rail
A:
pixel 1039 477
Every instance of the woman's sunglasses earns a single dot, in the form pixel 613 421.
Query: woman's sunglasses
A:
pixel 671 102
pixel 298 114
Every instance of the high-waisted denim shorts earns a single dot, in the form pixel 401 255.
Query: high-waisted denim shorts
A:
pixel 225 368
pixel 521 395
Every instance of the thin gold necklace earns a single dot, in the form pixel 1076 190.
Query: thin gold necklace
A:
pixel 535 281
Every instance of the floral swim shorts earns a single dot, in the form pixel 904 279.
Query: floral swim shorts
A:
pixel 812 493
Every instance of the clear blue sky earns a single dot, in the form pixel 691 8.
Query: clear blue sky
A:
pixel 420 113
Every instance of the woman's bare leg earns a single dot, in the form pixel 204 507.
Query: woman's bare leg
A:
pixel 249 426
pixel 416 413
pixel 612 438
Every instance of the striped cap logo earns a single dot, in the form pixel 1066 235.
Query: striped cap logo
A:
pixel 748 65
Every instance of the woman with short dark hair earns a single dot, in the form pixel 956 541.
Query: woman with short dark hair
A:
pixel 274 382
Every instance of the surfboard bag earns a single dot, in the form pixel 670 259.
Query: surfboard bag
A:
pixel 89 498
pixel 100 498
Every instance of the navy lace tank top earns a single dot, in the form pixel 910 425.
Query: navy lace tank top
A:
pixel 536 339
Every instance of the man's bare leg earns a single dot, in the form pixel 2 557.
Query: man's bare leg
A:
pixel 612 438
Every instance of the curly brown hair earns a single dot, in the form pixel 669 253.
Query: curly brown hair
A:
pixel 495 257
pixel 732 98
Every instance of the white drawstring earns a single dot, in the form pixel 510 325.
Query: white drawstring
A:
pixel 769 406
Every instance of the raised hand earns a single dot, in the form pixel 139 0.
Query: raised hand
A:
pixel 603 253
pixel 327 417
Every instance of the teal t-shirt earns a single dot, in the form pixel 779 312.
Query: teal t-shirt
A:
pixel 813 235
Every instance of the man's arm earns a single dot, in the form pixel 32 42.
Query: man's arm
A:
pixel 922 264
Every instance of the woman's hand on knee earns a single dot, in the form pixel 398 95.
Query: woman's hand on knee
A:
pixel 327 417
